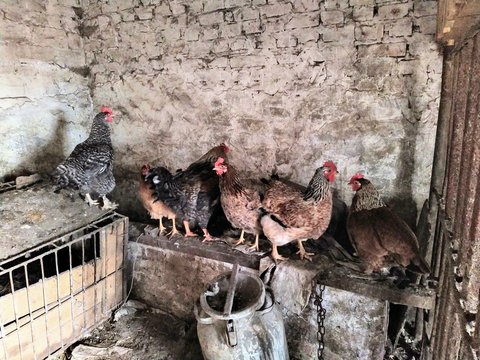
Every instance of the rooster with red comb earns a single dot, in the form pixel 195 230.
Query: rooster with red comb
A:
pixel 295 215
pixel 89 168
pixel 380 237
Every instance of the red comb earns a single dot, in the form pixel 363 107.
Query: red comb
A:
pixel 145 169
pixel 226 149
pixel 330 164
pixel 219 161
pixel 105 109
pixel 356 177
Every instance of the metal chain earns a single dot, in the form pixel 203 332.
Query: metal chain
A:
pixel 319 289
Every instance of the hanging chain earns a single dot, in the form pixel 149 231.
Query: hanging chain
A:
pixel 319 289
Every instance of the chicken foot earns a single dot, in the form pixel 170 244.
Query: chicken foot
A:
pixel 174 229
pixel 206 235
pixel 161 228
pixel 90 201
pixel 255 244
pixel 188 232
pixel 241 240
pixel 107 204
pixel 301 251
pixel 275 255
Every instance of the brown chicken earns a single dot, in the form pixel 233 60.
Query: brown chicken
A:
pixel 294 215
pixel 241 200
pixel 380 237
pixel 157 209
pixel 193 194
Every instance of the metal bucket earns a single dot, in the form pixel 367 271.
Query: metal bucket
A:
pixel 238 320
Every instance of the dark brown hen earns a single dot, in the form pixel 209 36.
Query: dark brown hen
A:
pixel 241 200
pixel 380 237
pixel 193 193
pixel 89 168
pixel 295 215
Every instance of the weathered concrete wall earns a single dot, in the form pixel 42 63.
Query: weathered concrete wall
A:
pixel 286 84
pixel 45 103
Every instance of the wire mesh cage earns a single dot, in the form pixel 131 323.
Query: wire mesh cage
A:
pixel 57 291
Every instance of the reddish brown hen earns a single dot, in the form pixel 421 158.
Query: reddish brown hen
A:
pixel 241 200
pixel 380 237
pixel 157 209
pixel 294 215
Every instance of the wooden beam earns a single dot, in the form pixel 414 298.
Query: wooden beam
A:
pixel 457 21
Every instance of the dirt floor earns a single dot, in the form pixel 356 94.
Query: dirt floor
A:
pixel 139 333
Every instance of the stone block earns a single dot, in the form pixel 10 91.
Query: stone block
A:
pixel 368 34
pixel 219 62
pixel 250 14
pixel 394 11
pixel 213 5
pixel 336 4
pixel 306 35
pixel 363 13
pixel 252 27
pixel 362 2
pixel 299 21
pixel 380 50
pixel 236 3
pixel 211 19
pixel 426 24
pixel 425 8
pixel 402 27
pixel 144 13
pixel 230 30
pixel 259 2
pixel 210 34
pixel 285 39
pixel 306 5
pixel 249 61
pixel 344 35
pixel 192 34
pixel 275 10
pixel 333 17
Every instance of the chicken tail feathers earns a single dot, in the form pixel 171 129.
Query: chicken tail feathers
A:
pixel 419 266
pixel 61 177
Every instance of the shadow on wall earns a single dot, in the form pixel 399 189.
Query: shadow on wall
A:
pixel 44 159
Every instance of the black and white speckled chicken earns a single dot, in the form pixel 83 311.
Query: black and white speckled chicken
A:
pixel 193 194
pixel 89 166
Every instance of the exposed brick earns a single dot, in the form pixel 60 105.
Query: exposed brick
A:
pixel 394 11
pixel 425 8
pixel 379 50
pixel 285 39
pixel 250 14
pixel 402 27
pixel 242 44
pixel 274 25
pixel 332 17
pixel 304 21
pixel 212 5
pixel 343 34
pixel 363 13
pixel 276 10
pixel 252 27
pixel 426 24
pixel 249 61
pixel 368 34
pixel 211 19
pixel 230 30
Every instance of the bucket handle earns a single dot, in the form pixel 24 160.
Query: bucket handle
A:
pixel 201 319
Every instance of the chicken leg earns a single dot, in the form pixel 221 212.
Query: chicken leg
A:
pixel 301 251
pixel 241 240
pixel 174 229
pixel 206 235
pixel 161 228
pixel 107 204
pixel 90 201
pixel 275 255
pixel 255 244
pixel 188 232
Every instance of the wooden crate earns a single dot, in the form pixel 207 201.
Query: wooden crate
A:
pixel 38 319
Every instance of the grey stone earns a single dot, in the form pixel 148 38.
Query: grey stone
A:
pixel 427 24
pixel 394 11
pixel 332 17
pixel 424 8
pixel 400 28
pixel 252 27
pixel 392 49
pixel 304 21
pixel 276 9
pixel 211 19
pixel 366 34
pixel 363 13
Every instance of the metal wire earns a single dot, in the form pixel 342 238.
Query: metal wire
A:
pixel 58 251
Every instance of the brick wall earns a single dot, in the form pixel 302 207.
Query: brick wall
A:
pixel 45 102
pixel 286 84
